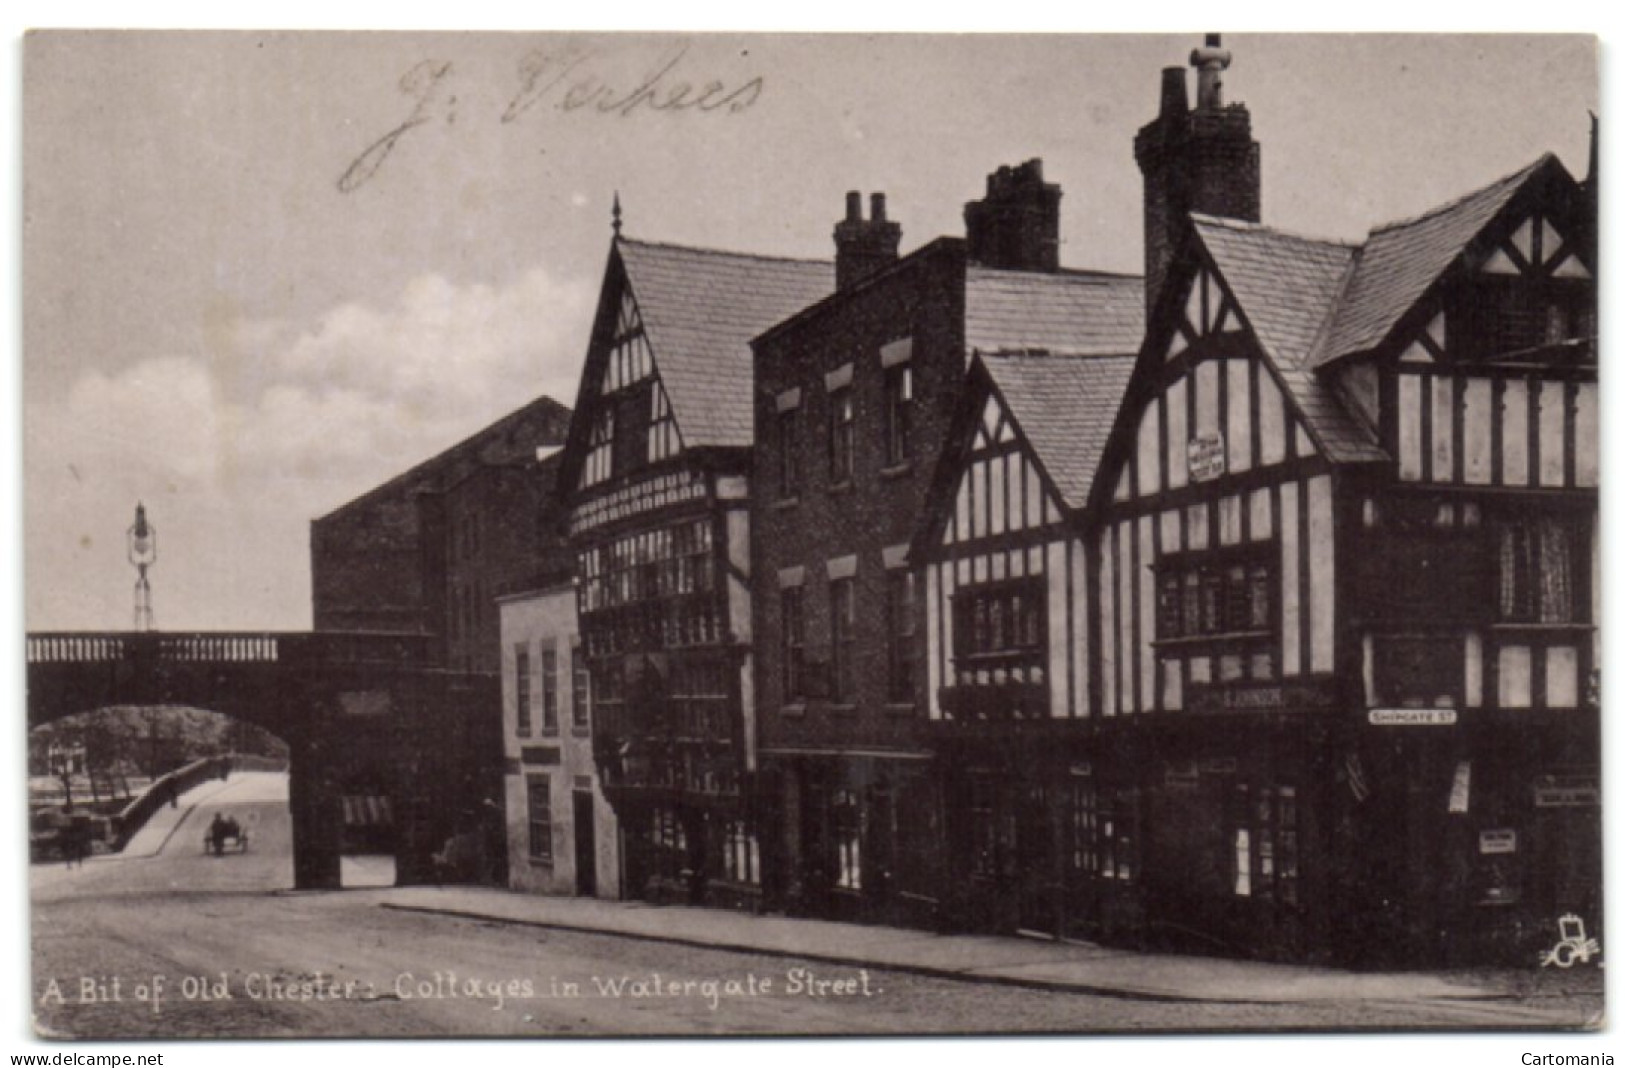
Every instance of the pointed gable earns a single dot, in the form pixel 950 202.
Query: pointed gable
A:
pixel 700 308
pixel 1400 261
pixel 1288 289
pixel 1064 406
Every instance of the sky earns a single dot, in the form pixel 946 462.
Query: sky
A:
pixel 263 272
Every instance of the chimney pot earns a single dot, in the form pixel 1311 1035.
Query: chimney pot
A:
pixel 1174 102
pixel 1210 61
pixel 1209 166
pixel 864 246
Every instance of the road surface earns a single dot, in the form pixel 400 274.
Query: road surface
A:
pixel 183 944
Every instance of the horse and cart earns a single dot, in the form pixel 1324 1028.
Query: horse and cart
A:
pixel 223 832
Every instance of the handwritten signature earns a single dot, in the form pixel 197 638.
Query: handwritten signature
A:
pixel 566 78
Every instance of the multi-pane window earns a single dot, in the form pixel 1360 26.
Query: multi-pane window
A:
pixel 669 562
pixel 901 648
pixel 580 684
pixel 699 693
pixel 793 634
pixel 539 816
pixel 846 827
pixel 1102 826
pixel 1427 559
pixel 674 566
pixel 789 445
pixel 899 411
pixel 741 856
pixel 1503 317
pixel 842 639
pixel 550 689
pixel 521 690
pixel 842 431
pixel 1535 570
pixel 1214 597
pixel 999 632
pixel 1262 825
pixel 669 841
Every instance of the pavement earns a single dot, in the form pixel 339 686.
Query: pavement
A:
pixel 1069 966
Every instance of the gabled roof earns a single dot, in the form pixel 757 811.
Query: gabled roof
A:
pixel 515 438
pixel 1401 260
pixel 700 308
pixel 1310 301
pixel 1289 288
pixel 1079 312
pixel 1065 405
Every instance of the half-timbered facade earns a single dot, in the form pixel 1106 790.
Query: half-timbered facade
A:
pixel 1033 837
pixel 1344 543
pixel 1471 598
pixel 656 477
pixel 1292 653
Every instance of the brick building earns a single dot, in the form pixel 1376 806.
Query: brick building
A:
pixel 854 396
pixel 657 481
pixel 1331 693
pixel 427 553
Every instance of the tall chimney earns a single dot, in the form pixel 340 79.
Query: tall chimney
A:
pixel 864 246
pixel 1200 159
pixel 1017 225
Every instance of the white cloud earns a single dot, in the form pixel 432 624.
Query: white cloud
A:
pixel 281 424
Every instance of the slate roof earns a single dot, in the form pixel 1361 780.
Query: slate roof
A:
pixel 1289 289
pixel 700 308
pixel 1065 405
pixel 1402 259
pixel 1079 312
pixel 1311 301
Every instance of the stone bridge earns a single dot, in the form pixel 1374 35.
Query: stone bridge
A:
pixel 352 707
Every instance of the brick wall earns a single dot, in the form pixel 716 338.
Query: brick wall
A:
pixel 922 298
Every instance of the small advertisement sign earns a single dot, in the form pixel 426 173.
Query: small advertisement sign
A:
pixel 1204 456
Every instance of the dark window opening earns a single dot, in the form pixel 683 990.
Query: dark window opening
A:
pixel 899 411
pixel 842 431
pixel 901 647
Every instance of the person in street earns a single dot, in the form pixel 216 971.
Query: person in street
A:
pixel 75 839
pixel 220 829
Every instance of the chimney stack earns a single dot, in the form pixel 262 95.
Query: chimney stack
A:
pixel 1017 225
pixel 1200 159
pixel 864 246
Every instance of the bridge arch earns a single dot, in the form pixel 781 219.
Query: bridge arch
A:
pixel 336 699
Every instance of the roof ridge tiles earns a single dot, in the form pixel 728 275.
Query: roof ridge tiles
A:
pixel 731 253
pixel 1510 178
pixel 1243 226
